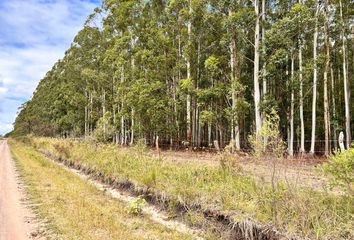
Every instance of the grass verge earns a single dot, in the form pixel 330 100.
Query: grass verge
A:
pixel 74 209
pixel 302 212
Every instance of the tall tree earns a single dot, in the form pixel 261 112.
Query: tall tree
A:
pixel 345 79
pixel 314 85
pixel 325 79
pixel 256 92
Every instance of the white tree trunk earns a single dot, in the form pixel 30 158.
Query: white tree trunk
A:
pixel 103 101
pixel 333 110
pixel 291 143
pixel 86 115
pixel 345 79
pixel 314 96
pixel 189 77
pixel 341 141
pixel 235 136
pixel 132 128
pixel 264 77
pixel 132 112
pixel 256 71
pixel 302 125
pixel 122 120
pixel 174 91
pixel 90 114
pixel 325 80
pixel 104 111
pixel 114 106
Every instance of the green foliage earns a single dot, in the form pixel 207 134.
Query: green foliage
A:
pixel 206 116
pixel 104 130
pixel 186 84
pixel 340 167
pixel 268 143
pixel 212 64
pixel 136 206
pixel 139 60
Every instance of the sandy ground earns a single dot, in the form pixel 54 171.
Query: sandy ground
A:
pixel 16 220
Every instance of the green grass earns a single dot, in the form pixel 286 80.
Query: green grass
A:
pixel 303 212
pixel 74 209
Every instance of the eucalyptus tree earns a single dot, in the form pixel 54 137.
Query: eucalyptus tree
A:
pixel 345 76
pixel 257 96
pixel 187 70
pixel 325 77
pixel 314 87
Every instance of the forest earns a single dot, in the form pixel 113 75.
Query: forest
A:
pixel 191 72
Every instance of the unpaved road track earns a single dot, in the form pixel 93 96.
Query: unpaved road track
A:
pixel 15 218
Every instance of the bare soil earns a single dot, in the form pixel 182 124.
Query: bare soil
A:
pixel 17 221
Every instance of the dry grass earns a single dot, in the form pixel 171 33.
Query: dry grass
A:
pixel 302 212
pixel 75 209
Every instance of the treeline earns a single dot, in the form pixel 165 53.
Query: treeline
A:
pixel 195 71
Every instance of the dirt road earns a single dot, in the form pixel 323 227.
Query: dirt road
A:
pixel 15 218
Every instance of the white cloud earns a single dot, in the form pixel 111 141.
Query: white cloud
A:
pixel 3 90
pixel 34 34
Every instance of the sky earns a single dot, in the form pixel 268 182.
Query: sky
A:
pixel 34 34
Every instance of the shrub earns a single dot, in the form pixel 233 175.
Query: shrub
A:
pixel 104 130
pixel 63 150
pixel 268 144
pixel 136 206
pixel 340 168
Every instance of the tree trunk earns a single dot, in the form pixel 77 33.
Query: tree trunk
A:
pixel 209 134
pixel 133 76
pixel 346 84
pixel 314 96
pixel 264 77
pixel 291 143
pixel 90 115
pixel 334 117
pixel 302 125
pixel 114 106
pixel 189 75
pixel 104 111
pixel 235 136
pixel 179 78
pixel 132 128
pixel 86 114
pixel 256 71
pixel 174 92
pixel 325 79
pixel 122 120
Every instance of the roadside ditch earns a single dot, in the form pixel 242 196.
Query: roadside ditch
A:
pixel 160 204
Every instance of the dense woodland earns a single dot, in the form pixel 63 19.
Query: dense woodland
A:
pixel 195 71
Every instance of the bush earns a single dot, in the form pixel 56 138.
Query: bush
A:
pixel 104 130
pixel 268 144
pixel 340 168
pixel 136 206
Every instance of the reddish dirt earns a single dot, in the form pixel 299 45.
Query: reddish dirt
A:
pixel 17 222
pixel 299 172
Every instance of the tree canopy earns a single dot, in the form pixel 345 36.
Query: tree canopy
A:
pixel 195 71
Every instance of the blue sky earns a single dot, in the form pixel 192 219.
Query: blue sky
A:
pixel 34 34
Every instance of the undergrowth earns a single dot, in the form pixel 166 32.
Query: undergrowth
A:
pixel 301 212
